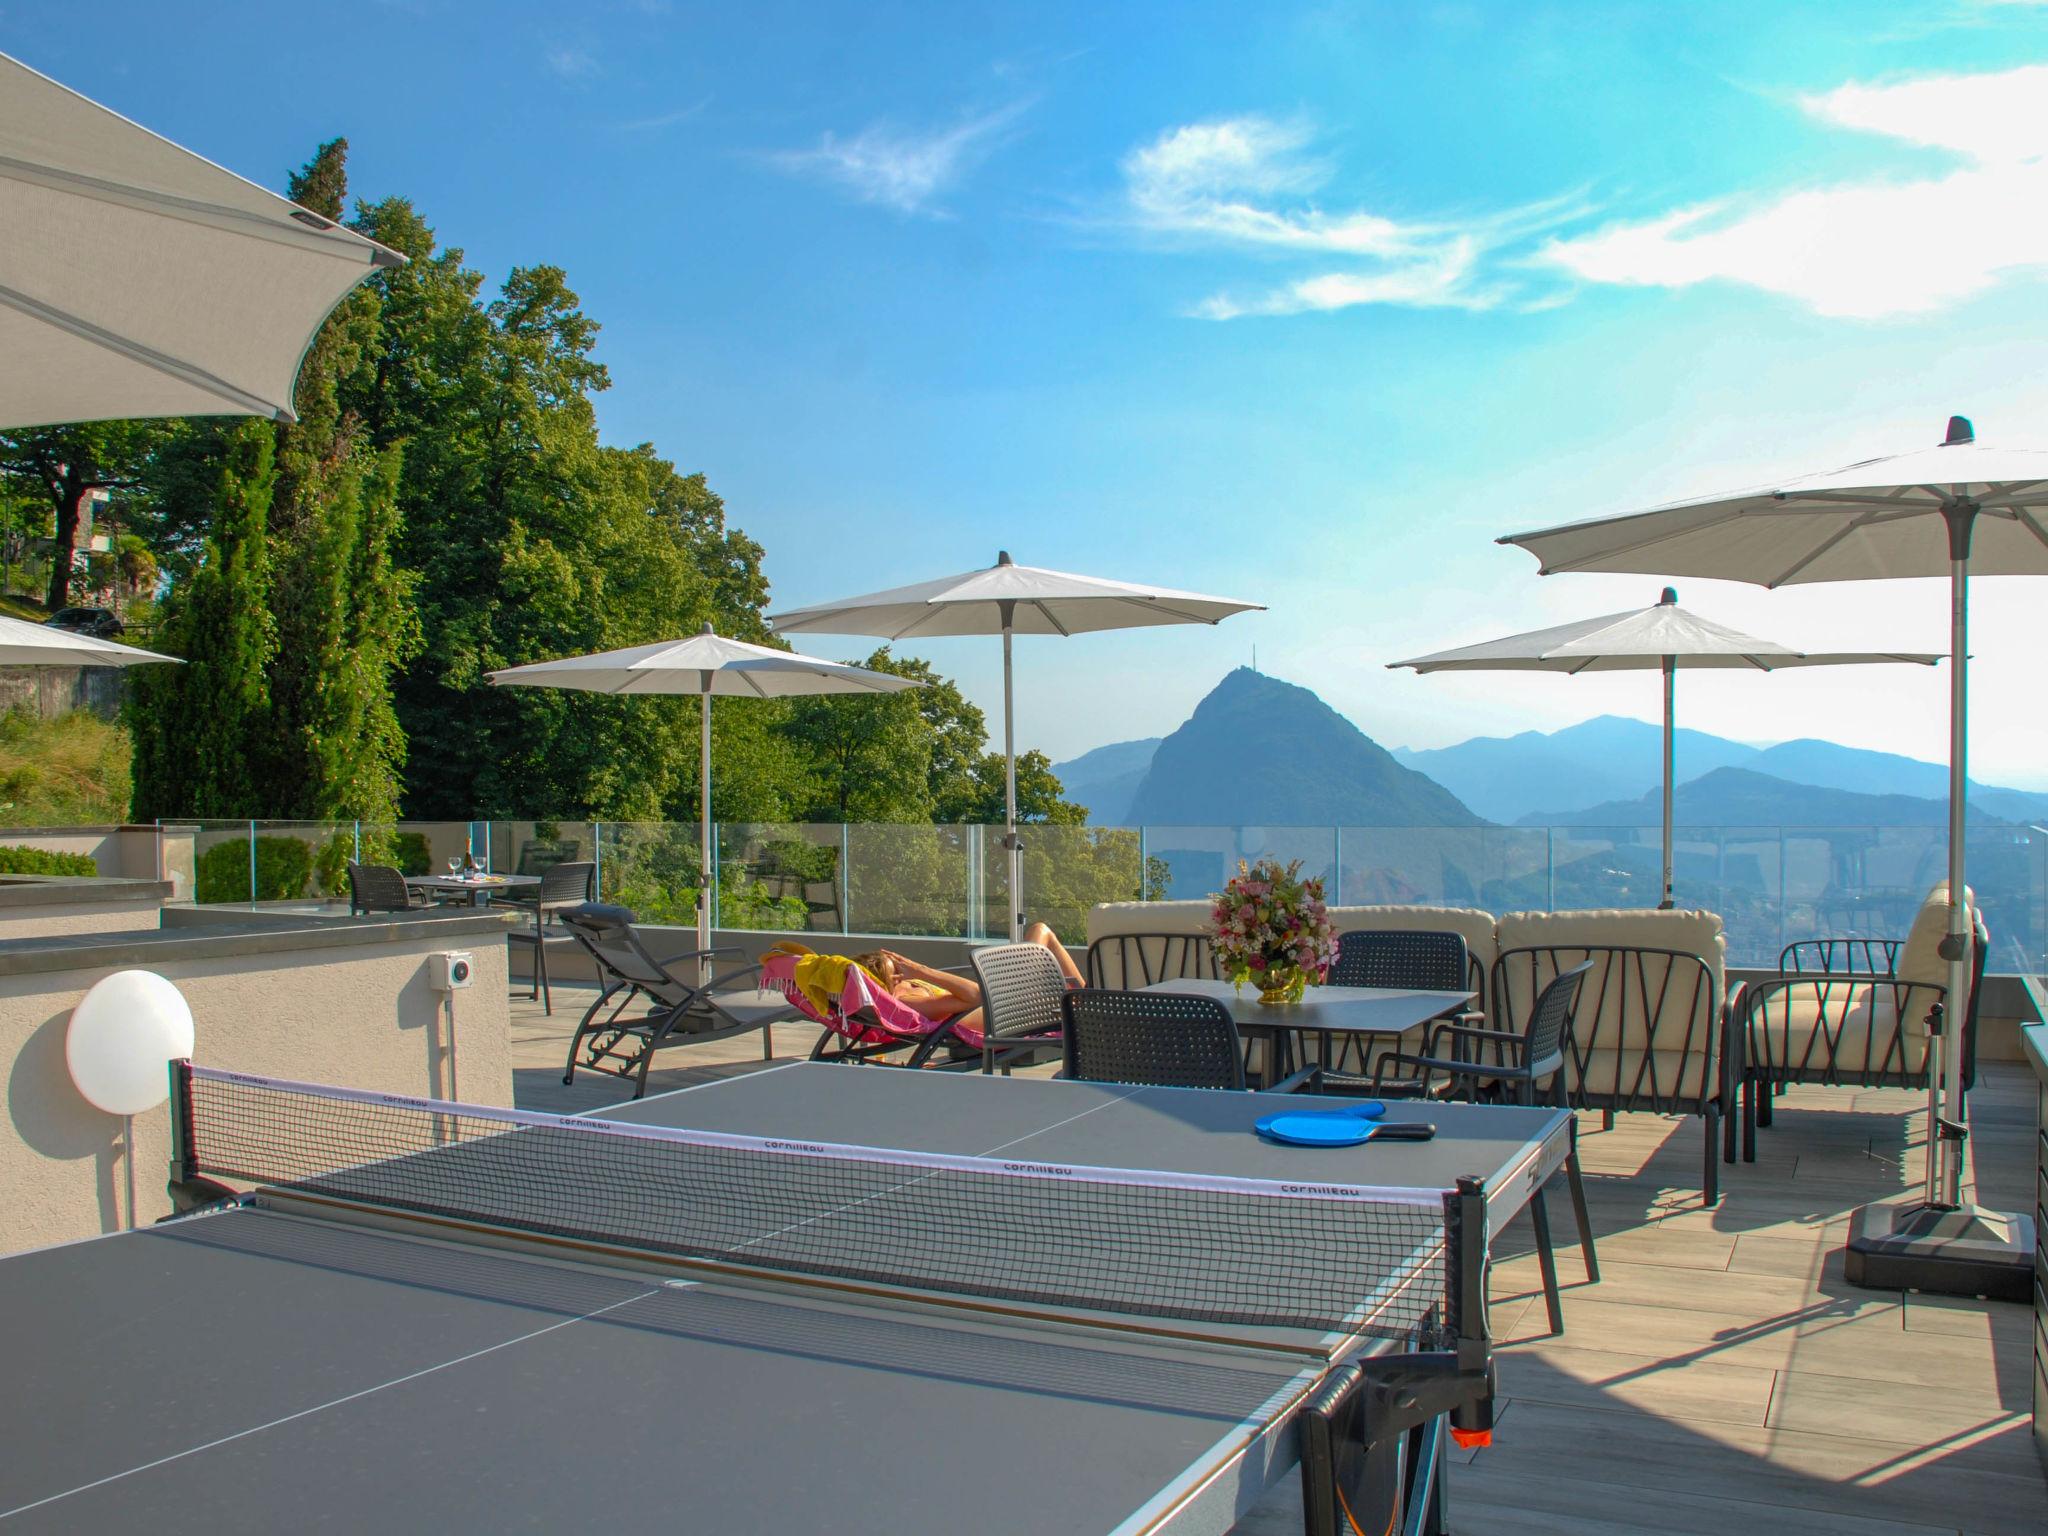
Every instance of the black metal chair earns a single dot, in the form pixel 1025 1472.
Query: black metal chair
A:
pixel 1022 992
pixel 1425 960
pixel 677 1012
pixel 1162 1039
pixel 562 886
pixel 377 888
pixel 1386 957
pixel 1531 1073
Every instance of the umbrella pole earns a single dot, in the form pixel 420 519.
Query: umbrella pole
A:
pixel 1670 735
pixel 708 875
pixel 1944 1138
pixel 1013 846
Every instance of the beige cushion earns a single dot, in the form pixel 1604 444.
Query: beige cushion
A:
pixel 1112 917
pixel 1920 956
pixel 1852 1030
pixel 1165 949
pixel 1645 1026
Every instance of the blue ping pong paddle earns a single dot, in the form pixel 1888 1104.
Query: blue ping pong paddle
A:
pixel 1339 1128
pixel 1326 1127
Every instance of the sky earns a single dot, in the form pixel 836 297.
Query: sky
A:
pixel 1304 304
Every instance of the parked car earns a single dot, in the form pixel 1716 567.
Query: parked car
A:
pixel 100 623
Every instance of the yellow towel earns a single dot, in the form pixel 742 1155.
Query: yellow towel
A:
pixel 819 978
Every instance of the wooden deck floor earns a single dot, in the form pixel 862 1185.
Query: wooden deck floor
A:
pixel 1721 1376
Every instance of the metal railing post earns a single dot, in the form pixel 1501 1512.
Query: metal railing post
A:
pixel 1337 865
pixel 359 841
pixel 711 874
pixel 597 858
pixel 252 862
pixel 1782 902
pixel 845 879
pixel 1144 867
pixel 1550 869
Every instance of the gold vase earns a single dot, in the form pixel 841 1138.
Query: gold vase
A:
pixel 1283 993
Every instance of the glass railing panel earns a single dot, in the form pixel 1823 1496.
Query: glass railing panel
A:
pixel 653 867
pixel 784 876
pixel 1069 870
pixel 221 869
pixel 1499 869
pixel 915 879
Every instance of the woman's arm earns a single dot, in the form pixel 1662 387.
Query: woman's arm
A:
pixel 958 987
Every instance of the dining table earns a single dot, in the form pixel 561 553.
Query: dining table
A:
pixel 477 888
pixel 1395 1017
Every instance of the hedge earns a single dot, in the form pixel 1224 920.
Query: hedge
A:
pixel 283 866
pixel 18 860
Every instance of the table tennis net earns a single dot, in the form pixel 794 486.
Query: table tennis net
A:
pixel 1242 1252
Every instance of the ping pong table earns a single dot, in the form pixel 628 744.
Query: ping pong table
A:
pixel 812 1297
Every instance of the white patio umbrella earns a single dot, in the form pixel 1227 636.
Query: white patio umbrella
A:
pixel 137 279
pixel 1663 637
pixel 1008 599
pixel 704 664
pixel 38 645
pixel 1938 511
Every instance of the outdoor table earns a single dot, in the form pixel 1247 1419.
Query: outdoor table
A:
pixel 1359 1013
pixel 478 888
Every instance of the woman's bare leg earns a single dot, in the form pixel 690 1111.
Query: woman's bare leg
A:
pixel 1046 939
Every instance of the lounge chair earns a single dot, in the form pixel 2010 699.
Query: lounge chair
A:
pixel 1855 1012
pixel 862 1022
pixel 676 1012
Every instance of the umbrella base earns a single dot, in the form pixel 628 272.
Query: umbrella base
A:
pixel 1907 1244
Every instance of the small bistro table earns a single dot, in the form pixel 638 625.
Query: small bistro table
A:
pixel 478 888
pixel 1362 1014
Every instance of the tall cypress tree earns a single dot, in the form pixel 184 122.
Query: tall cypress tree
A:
pixel 343 609
pixel 202 729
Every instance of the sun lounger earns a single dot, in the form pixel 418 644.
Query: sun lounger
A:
pixel 862 1022
pixel 673 1011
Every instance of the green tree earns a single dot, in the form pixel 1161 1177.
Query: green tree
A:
pixel 67 465
pixel 202 730
pixel 342 606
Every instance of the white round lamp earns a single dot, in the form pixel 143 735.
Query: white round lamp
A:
pixel 124 1034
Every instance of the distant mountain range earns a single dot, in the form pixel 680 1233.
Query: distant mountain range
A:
pixel 1261 752
pixel 1106 779
pixel 1740 797
pixel 1610 758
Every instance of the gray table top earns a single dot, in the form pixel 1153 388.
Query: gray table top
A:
pixel 458 883
pixel 256 1370
pixel 1337 1010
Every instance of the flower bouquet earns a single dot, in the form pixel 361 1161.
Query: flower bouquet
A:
pixel 1271 928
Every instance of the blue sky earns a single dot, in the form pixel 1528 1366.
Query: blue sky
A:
pixel 1301 304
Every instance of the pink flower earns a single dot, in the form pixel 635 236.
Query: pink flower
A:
pixel 1257 962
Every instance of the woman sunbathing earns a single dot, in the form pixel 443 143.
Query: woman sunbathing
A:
pixel 941 995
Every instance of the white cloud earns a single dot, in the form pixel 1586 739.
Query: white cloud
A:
pixel 1872 248
pixel 902 169
pixel 1246 182
pixel 571 63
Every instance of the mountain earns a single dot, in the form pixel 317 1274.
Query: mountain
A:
pixel 1741 797
pixel 1609 757
pixel 1512 778
pixel 1260 752
pixel 1887 773
pixel 1105 780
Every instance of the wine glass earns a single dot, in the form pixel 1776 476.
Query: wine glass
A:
pixel 454 864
